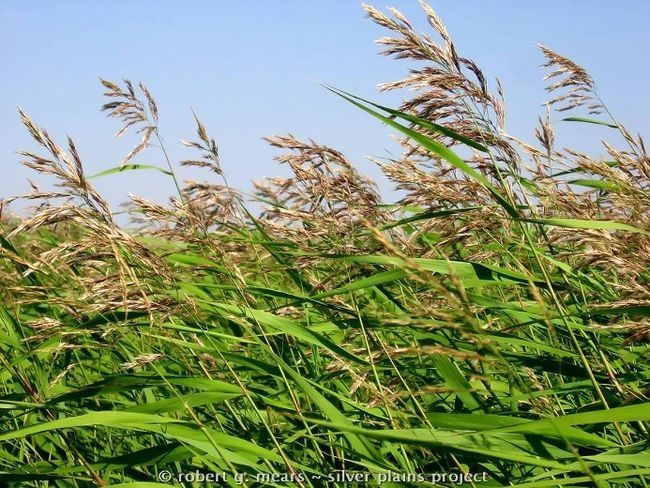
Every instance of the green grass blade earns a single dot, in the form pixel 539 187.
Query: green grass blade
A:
pixel 130 167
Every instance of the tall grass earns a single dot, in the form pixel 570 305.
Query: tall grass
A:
pixel 494 320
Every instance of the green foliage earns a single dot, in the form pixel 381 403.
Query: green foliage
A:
pixel 499 330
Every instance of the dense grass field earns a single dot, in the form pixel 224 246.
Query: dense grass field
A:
pixel 490 328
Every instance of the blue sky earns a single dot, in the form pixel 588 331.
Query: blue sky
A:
pixel 253 68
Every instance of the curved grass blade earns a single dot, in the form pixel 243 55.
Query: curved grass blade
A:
pixel 169 427
pixel 463 270
pixel 130 167
pixel 292 328
pixel 429 214
pixel 589 120
pixel 588 224
pixel 628 413
pixel 598 184
pixel 440 150
pixel 425 124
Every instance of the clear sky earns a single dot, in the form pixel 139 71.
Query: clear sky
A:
pixel 253 68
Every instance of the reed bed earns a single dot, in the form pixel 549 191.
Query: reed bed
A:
pixel 494 321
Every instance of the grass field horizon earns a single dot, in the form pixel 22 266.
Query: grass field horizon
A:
pixel 490 328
